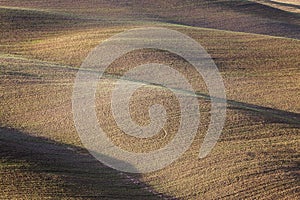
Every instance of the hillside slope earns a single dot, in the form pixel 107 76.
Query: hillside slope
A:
pixel 234 15
pixel 257 156
pixel 44 43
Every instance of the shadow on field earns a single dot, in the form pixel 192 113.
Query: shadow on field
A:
pixel 81 175
pixel 269 115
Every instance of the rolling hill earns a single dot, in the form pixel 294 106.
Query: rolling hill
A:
pixel 234 15
pixel 43 43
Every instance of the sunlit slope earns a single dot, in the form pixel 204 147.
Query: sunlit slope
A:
pixel 289 6
pixel 35 101
pixel 257 155
pixel 41 153
pixel 235 15
pixel 246 61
